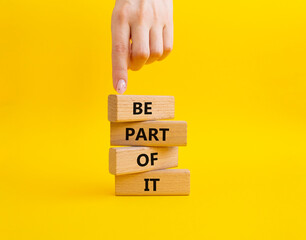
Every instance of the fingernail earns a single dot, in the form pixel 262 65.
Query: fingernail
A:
pixel 121 86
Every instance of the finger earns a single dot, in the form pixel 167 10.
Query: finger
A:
pixel 156 44
pixel 120 54
pixel 168 41
pixel 140 50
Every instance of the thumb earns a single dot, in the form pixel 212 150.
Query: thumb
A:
pixel 120 55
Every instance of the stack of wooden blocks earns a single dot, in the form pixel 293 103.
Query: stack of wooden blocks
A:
pixel 142 168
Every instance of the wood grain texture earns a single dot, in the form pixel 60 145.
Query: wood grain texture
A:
pixel 120 108
pixel 167 182
pixel 127 160
pixel 167 133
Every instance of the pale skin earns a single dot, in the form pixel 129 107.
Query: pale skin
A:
pixel 142 33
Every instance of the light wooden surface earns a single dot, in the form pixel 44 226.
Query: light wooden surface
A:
pixel 126 160
pixel 167 182
pixel 167 133
pixel 120 108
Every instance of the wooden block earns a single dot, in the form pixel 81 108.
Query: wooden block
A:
pixel 126 160
pixel 149 133
pixel 130 108
pixel 158 182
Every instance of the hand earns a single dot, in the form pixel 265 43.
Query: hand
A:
pixel 142 32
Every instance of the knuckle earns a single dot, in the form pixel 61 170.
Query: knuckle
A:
pixel 120 15
pixel 120 48
pixel 142 15
pixel 141 18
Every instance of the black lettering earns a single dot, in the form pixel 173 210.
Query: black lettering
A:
pixel 146 184
pixel 154 180
pixel 147 108
pixel 146 162
pixel 129 132
pixel 152 133
pixel 141 134
pixel 153 158
pixel 137 108
pixel 164 130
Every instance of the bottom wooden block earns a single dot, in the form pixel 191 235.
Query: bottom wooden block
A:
pixel 158 182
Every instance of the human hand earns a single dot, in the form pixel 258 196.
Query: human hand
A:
pixel 142 32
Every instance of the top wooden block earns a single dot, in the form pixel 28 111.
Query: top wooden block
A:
pixel 130 108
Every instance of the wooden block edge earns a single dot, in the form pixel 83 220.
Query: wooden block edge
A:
pixel 112 104
pixel 112 161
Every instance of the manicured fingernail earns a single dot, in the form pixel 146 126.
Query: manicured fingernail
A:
pixel 121 86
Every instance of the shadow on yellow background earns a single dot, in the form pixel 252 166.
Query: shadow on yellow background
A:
pixel 239 79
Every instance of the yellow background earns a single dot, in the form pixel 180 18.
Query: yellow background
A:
pixel 238 74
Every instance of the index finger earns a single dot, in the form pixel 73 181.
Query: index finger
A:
pixel 120 54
